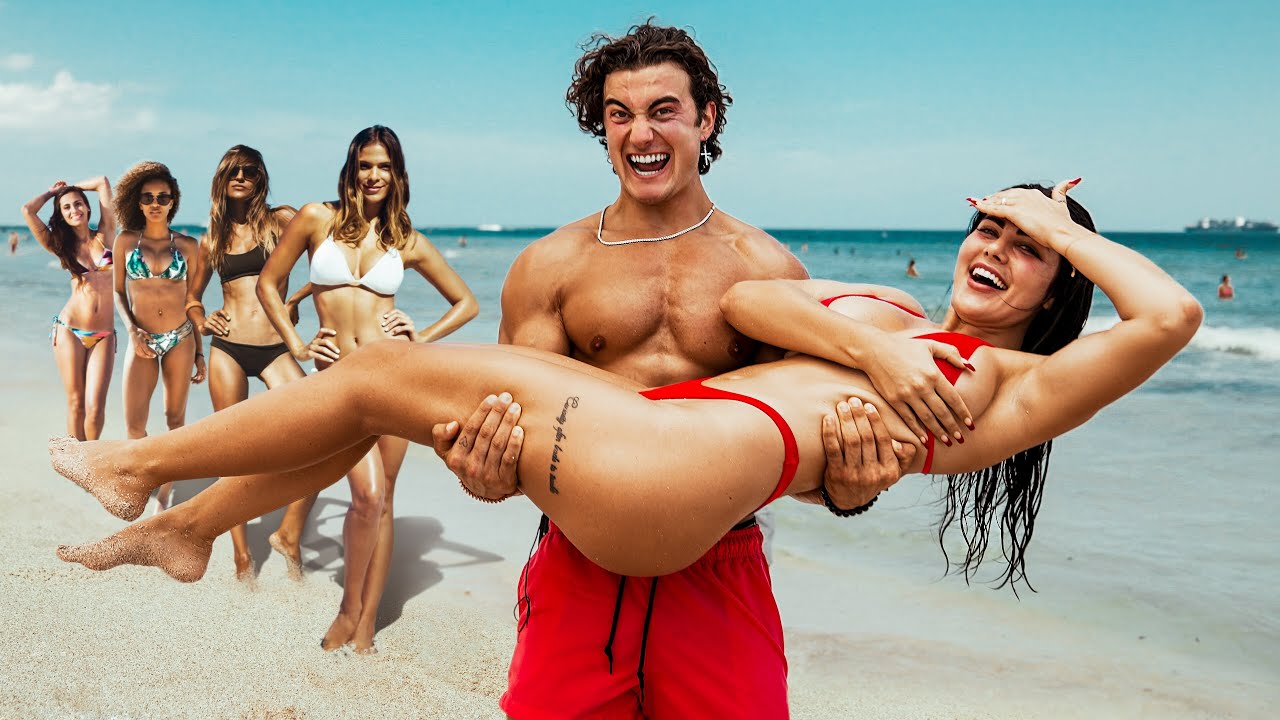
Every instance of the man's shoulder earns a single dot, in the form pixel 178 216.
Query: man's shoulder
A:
pixel 560 245
pixel 763 250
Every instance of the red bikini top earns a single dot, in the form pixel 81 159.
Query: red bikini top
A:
pixel 966 344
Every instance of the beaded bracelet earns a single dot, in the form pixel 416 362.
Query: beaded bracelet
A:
pixel 482 498
pixel 841 512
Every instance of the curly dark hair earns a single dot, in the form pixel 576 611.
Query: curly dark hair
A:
pixel 129 193
pixel 644 46
pixel 1008 493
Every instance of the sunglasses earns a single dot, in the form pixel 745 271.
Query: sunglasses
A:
pixel 250 172
pixel 162 199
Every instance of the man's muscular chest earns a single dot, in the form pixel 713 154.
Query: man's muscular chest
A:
pixel 659 310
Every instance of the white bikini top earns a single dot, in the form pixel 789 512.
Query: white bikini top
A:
pixel 329 267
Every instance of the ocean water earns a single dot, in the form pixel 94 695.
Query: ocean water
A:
pixel 1156 537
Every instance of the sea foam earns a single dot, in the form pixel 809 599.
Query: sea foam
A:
pixel 1258 342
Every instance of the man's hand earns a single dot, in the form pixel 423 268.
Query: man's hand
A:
pixel 862 459
pixel 484 452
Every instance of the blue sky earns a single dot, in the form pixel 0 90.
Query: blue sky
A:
pixel 846 114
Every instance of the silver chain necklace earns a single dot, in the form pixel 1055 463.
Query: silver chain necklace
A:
pixel 672 236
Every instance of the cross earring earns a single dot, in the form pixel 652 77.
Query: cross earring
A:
pixel 705 157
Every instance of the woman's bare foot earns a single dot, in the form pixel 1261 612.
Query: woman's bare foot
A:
pixel 89 465
pixel 291 551
pixel 362 641
pixel 339 633
pixel 153 542
pixel 244 568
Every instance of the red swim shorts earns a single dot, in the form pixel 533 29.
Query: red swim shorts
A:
pixel 705 642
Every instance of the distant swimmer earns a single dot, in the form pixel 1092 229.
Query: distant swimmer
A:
pixel 13 242
pixel 462 241
pixel 911 269
pixel 1225 290
pixel 1241 254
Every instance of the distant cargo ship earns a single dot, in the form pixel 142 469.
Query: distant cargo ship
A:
pixel 1230 226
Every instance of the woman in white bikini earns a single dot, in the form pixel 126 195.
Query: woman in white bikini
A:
pixel 360 246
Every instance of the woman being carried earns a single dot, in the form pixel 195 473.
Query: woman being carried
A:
pixel 243 231
pixel 594 445
pixel 360 246
pixel 84 326
pixel 150 301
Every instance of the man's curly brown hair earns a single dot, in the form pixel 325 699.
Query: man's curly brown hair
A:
pixel 129 193
pixel 644 46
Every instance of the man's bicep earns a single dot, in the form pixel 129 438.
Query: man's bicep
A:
pixel 541 330
pixel 530 312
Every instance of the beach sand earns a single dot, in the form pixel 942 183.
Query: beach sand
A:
pixel 132 643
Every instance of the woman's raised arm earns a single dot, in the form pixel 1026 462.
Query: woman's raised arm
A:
pixel 107 214
pixel 1158 317
pixel 31 215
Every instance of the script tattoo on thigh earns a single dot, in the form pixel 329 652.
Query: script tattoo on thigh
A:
pixel 561 421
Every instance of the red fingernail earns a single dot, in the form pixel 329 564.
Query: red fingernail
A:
pixel 972 202
pixel 969 423
pixel 971 367
pixel 1077 181
pixel 960 440
pixel 946 441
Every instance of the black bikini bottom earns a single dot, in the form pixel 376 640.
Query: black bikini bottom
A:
pixel 252 359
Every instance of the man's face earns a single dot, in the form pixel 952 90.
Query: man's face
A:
pixel 654 131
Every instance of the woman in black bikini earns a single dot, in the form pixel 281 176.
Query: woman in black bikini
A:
pixel 243 230
pixel 593 447
pixel 84 334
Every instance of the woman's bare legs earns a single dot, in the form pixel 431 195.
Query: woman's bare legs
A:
pixel 140 378
pixel 392 451
pixel 228 386
pixel 287 539
pixel 176 367
pixel 97 380
pixel 180 539
pixel 599 459
pixel 359 536
pixel 71 358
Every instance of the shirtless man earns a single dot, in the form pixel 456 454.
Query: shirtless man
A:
pixel 635 289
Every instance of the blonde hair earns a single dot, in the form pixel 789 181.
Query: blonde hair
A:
pixel 218 240
pixel 349 224
pixel 129 193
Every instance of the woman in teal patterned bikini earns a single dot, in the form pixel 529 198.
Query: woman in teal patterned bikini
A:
pixel 150 290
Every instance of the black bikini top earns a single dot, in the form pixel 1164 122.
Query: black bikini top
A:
pixel 243 264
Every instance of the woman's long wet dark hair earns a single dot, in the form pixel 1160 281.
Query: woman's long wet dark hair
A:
pixel 65 242
pixel 1010 492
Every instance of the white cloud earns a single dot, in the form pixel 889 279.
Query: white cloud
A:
pixel 17 61
pixel 66 103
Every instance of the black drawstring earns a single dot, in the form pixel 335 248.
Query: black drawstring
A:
pixel 617 613
pixel 544 526
pixel 644 637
